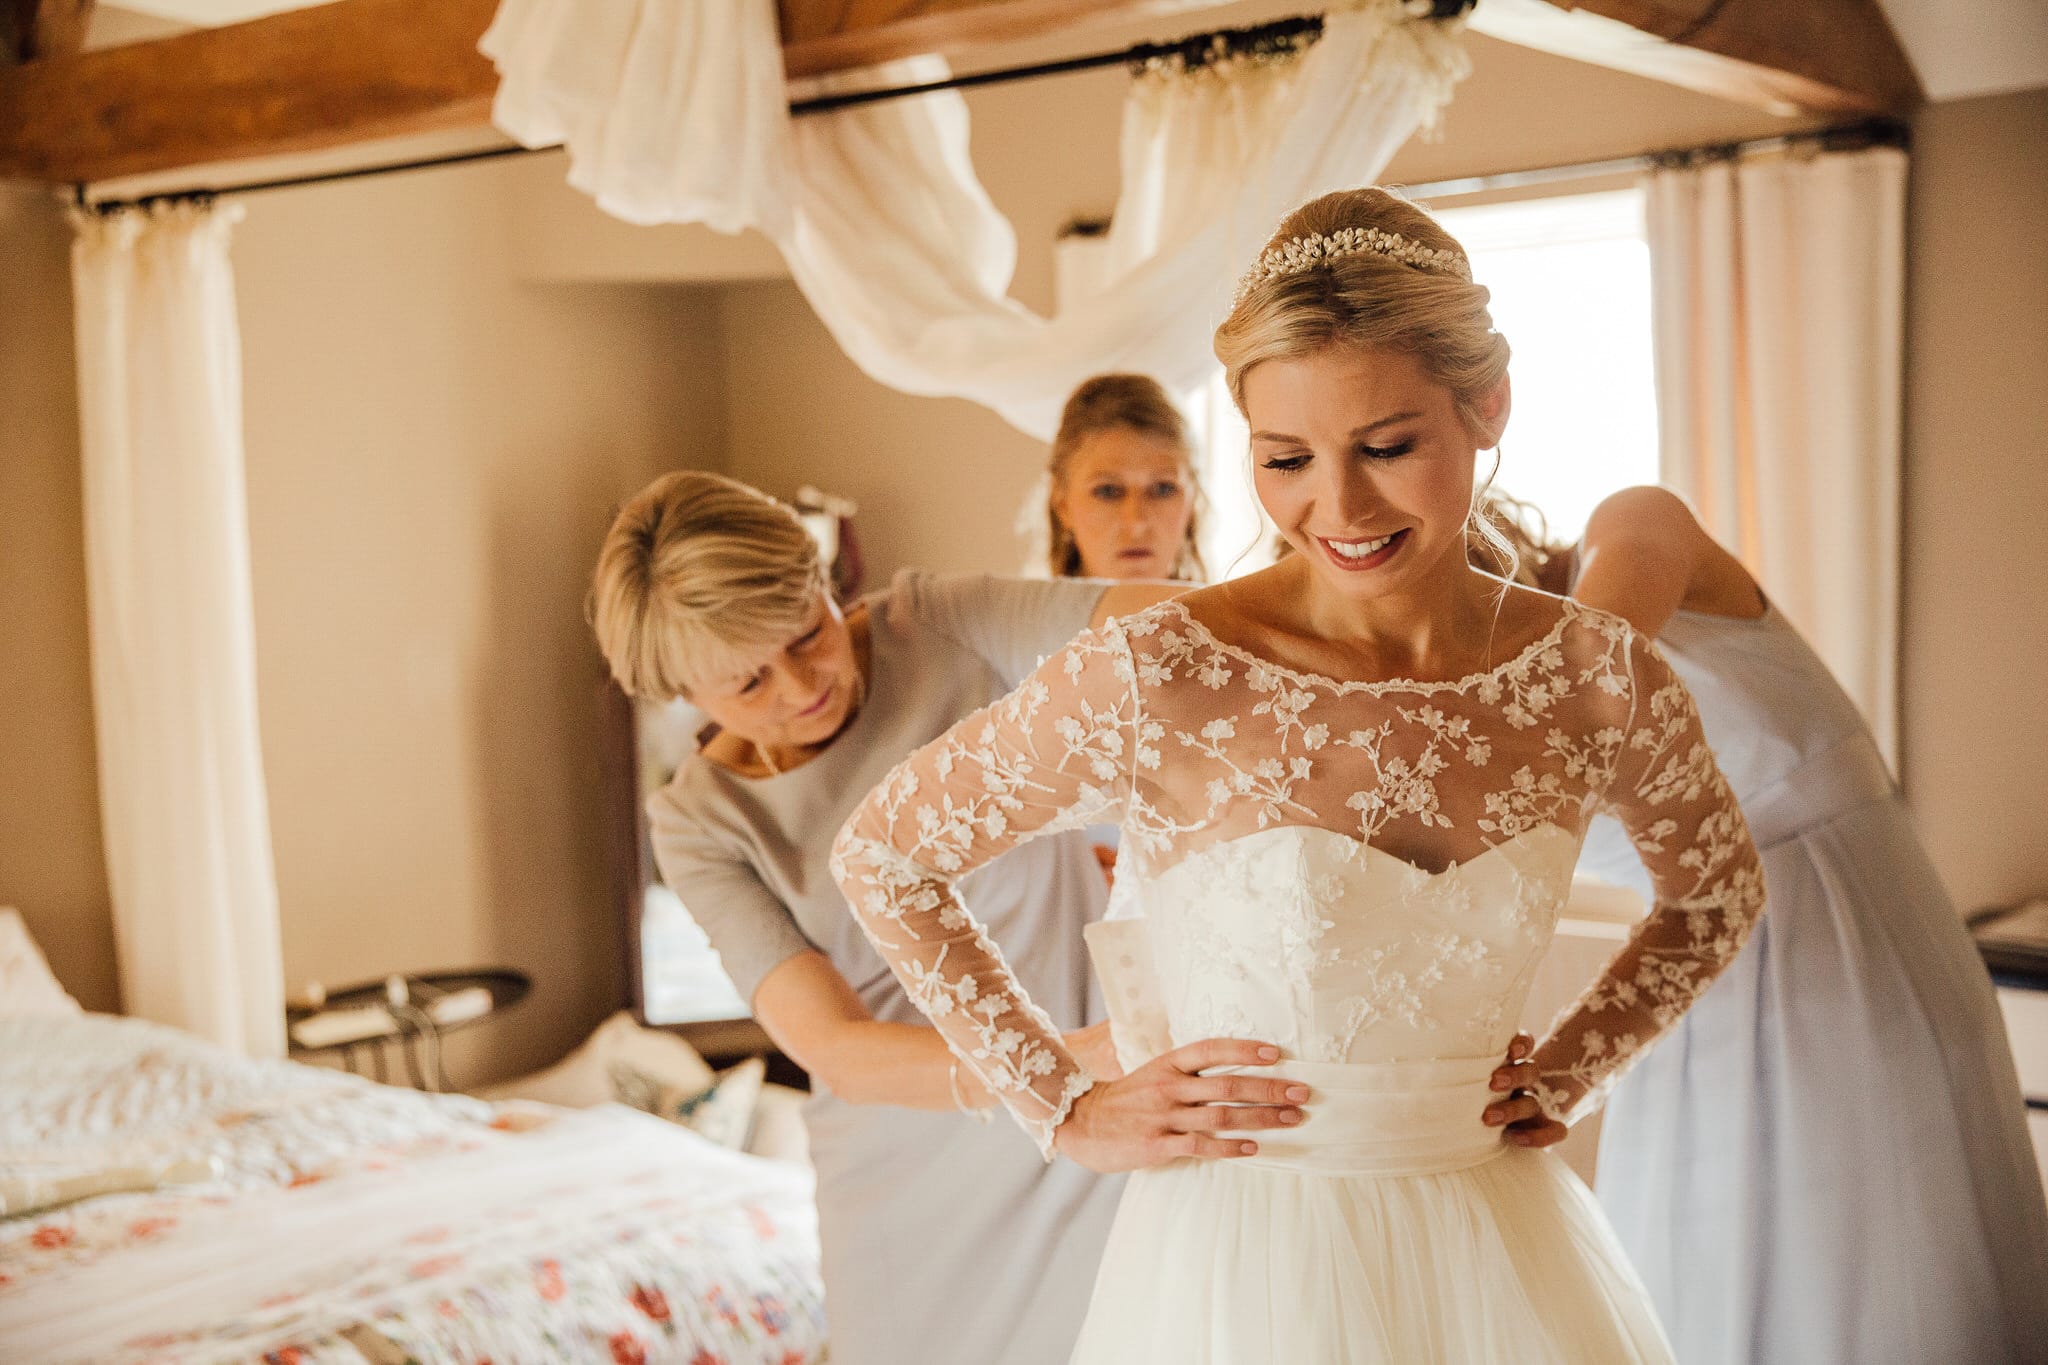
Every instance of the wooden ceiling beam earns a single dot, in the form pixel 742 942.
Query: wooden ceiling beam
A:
pixel 33 29
pixel 358 70
pixel 297 81
pixel 1813 56
pixel 17 30
pixel 820 36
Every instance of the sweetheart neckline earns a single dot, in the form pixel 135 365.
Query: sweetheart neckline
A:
pixel 1361 847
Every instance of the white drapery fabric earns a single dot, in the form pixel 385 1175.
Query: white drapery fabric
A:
pixel 888 231
pixel 182 805
pixel 672 111
pixel 1779 299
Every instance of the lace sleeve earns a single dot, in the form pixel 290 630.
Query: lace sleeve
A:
pixel 1678 810
pixel 1054 754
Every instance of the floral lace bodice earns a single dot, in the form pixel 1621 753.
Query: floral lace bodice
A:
pixel 1353 871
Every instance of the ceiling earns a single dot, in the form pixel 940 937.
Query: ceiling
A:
pixel 1960 47
pixel 1973 47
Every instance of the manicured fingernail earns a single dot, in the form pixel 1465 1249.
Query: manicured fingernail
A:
pixel 1520 1139
pixel 1501 1082
pixel 1248 1148
pixel 1269 1054
pixel 1290 1116
pixel 1297 1093
pixel 1493 1116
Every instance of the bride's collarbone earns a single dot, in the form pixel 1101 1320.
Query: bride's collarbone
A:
pixel 1283 636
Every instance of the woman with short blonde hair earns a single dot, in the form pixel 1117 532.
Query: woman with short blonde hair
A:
pixel 699 571
pixel 942 1237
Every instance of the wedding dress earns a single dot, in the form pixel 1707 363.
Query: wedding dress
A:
pixel 1365 875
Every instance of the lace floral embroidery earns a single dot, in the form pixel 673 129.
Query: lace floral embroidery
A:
pixel 1193 744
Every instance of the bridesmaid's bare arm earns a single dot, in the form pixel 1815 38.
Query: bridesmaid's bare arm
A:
pixel 1644 556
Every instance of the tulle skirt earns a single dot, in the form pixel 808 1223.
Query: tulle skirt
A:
pixel 1506 1262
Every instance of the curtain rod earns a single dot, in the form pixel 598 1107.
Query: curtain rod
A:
pixel 1199 49
pixel 1195 50
pixel 1848 137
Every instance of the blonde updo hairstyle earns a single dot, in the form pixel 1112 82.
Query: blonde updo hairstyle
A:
pixel 1111 402
pixel 1374 302
pixel 698 577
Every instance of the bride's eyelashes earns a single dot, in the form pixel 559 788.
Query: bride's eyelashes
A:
pixel 1288 464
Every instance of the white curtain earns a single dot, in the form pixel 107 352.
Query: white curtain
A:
pixel 673 110
pixel 888 231
pixel 1779 295
pixel 182 805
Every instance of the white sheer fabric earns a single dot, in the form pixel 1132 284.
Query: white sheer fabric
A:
pixel 883 222
pixel 183 811
pixel 672 110
pixel 1779 301
pixel 1364 874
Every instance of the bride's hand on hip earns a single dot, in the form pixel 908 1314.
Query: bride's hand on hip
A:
pixel 1523 1120
pixel 1167 1109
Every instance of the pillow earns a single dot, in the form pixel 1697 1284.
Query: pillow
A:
pixel 722 1111
pixel 584 1077
pixel 26 987
pixel 779 1131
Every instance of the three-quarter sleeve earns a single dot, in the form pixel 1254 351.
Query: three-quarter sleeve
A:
pixel 1055 754
pixel 749 926
pixel 1011 624
pixel 1706 879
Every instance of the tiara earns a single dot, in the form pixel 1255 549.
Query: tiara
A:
pixel 1297 254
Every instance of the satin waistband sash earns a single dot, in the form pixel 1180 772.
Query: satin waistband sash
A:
pixel 1383 1118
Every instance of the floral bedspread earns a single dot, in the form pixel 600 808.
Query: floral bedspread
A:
pixel 357 1224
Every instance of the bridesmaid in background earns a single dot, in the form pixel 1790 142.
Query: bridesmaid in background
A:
pixel 1122 500
pixel 1826 1162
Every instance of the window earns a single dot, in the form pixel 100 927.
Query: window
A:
pixel 1570 277
pixel 1571 292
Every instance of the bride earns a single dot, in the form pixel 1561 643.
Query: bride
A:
pixel 1352 789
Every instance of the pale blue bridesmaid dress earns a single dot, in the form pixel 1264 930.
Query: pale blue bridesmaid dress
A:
pixel 1826 1162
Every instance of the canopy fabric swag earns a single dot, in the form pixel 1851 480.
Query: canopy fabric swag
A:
pixel 676 111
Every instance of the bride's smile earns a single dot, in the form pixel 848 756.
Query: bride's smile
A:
pixel 1365 462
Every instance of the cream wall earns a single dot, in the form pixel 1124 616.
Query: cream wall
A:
pixel 938 481
pixel 1975 682
pixel 434 451
pixel 50 864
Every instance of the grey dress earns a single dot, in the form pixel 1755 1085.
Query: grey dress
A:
pixel 936 1228
pixel 1826 1162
